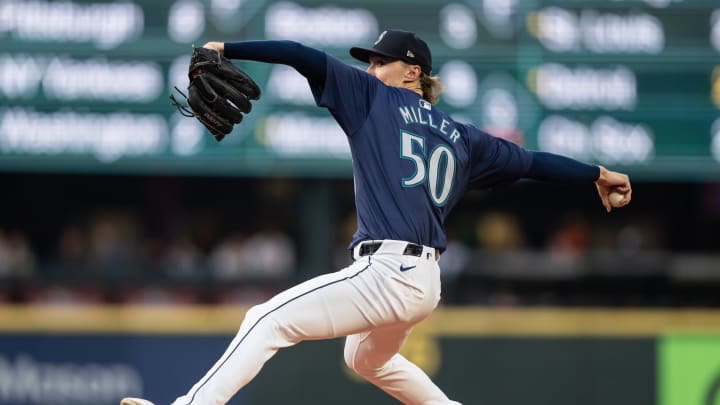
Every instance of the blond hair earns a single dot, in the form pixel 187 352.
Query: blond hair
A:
pixel 431 87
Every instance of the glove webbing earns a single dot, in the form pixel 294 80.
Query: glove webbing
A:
pixel 183 109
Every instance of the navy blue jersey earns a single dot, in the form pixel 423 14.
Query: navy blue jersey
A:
pixel 411 162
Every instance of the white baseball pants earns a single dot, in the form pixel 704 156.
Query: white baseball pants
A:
pixel 375 302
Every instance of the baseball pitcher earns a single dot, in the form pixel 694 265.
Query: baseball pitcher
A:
pixel 412 163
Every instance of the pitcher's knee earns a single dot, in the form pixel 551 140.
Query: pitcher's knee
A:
pixel 363 365
pixel 351 361
pixel 254 314
pixel 258 320
pixel 365 369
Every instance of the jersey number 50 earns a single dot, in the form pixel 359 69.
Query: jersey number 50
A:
pixel 436 168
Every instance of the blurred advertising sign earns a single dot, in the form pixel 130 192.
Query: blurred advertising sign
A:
pixel 92 369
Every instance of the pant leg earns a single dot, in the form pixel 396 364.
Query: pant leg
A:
pixel 356 299
pixel 374 356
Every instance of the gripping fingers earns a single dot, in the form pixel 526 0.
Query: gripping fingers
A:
pixel 603 192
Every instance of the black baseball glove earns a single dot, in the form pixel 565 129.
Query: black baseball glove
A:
pixel 219 92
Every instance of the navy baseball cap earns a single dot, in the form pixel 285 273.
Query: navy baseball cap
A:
pixel 398 44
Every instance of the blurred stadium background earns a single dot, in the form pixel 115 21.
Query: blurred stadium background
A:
pixel 131 242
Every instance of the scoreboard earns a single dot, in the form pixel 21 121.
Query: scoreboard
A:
pixel 631 84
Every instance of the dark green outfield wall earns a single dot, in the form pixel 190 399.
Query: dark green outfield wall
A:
pixel 502 371
pixel 95 355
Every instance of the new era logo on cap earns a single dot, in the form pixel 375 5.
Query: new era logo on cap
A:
pixel 398 44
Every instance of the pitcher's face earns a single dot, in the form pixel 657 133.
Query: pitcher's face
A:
pixel 394 73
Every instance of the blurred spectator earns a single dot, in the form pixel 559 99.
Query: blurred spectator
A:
pixel 499 231
pixel 113 243
pixel 16 258
pixel 267 254
pixel 573 236
pixel 227 259
pixel 454 260
pixel 638 236
pixel 72 248
pixel 270 253
pixel 182 258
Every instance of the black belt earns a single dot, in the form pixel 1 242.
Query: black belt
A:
pixel 412 249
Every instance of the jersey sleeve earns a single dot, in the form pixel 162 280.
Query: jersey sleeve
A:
pixel 495 161
pixel 308 61
pixel 348 94
pixel 561 169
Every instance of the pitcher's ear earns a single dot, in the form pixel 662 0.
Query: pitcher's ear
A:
pixel 413 72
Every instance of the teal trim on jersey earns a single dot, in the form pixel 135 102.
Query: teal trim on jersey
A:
pixel 450 159
pixel 430 167
pixel 420 140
